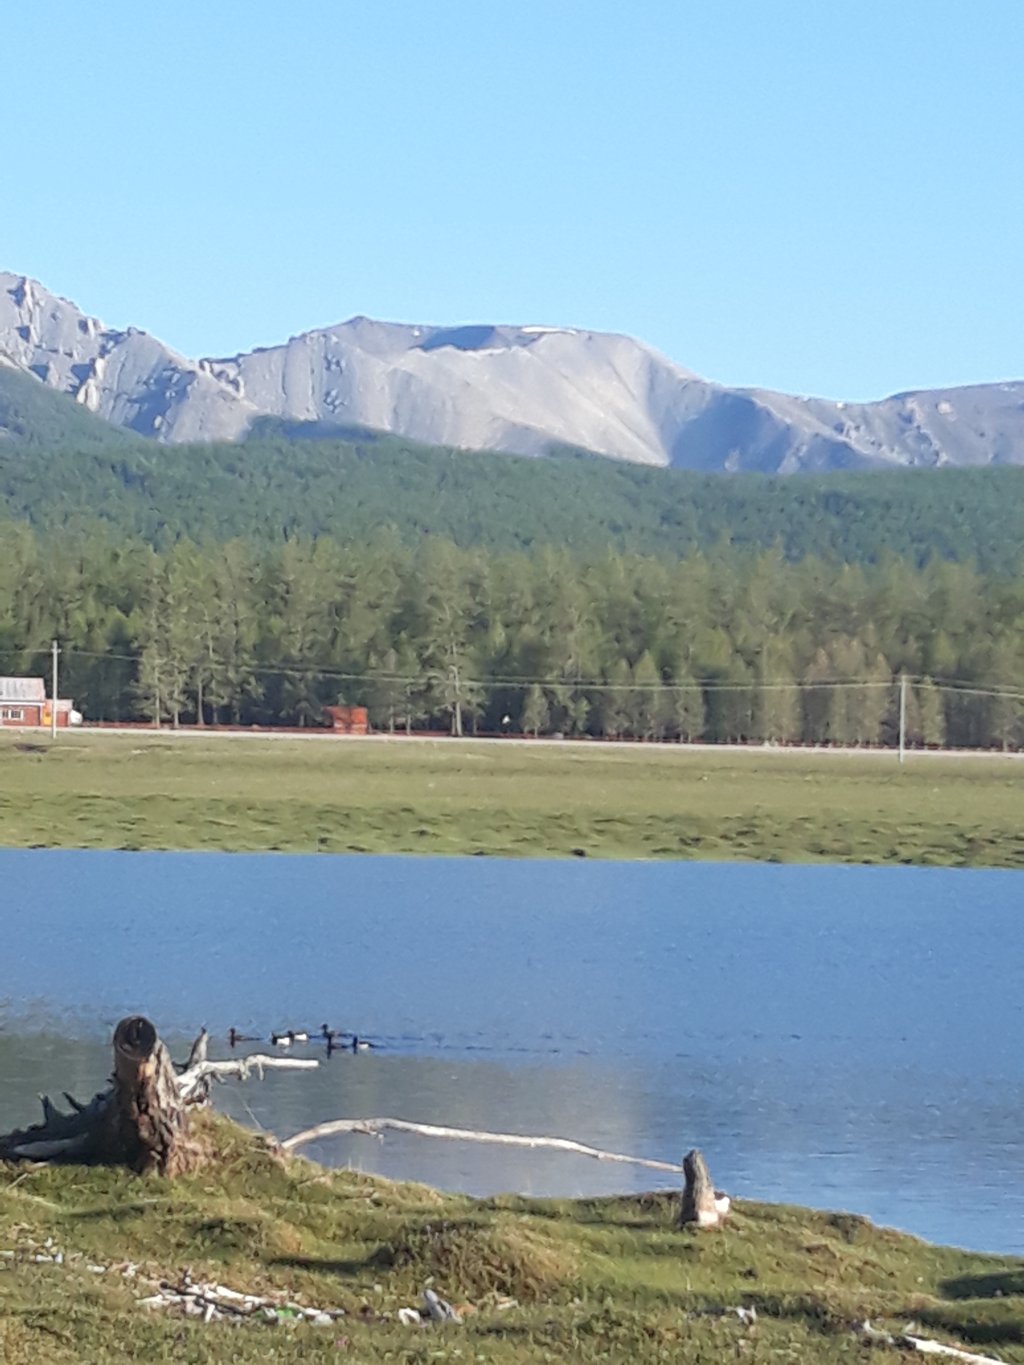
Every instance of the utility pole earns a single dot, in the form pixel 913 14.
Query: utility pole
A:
pixel 903 716
pixel 53 693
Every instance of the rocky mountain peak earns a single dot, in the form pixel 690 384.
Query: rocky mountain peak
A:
pixel 525 389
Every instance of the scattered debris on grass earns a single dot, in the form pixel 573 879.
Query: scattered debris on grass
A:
pixel 213 1302
pixel 907 1341
pixel 193 1298
pixel 218 1303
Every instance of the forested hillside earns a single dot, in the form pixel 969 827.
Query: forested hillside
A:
pixel 256 583
pixel 271 489
pixel 35 418
pixel 719 646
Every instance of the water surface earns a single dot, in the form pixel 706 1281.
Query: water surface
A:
pixel 842 1037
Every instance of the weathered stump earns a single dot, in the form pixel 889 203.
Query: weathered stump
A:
pixel 141 1121
pixel 147 1124
pixel 702 1205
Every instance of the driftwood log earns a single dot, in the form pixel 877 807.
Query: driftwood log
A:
pixel 907 1341
pixel 702 1205
pixel 376 1127
pixel 141 1121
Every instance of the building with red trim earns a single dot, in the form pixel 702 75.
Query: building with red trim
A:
pixel 25 705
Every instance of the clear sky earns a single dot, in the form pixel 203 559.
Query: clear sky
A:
pixel 822 198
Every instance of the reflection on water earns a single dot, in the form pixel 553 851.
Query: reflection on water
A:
pixel 834 1036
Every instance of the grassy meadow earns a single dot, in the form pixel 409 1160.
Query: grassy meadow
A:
pixel 539 1280
pixel 152 790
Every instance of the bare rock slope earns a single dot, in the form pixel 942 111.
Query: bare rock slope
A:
pixel 520 389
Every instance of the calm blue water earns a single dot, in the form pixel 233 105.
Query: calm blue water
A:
pixel 843 1037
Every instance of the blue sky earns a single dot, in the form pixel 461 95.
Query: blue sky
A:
pixel 799 195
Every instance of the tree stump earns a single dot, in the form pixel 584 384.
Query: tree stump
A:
pixel 141 1121
pixel 702 1206
pixel 147 1125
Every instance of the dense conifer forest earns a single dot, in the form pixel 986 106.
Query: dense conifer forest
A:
pixel 253 584
pixel 720 645
pixel 62 468
pixel 268 491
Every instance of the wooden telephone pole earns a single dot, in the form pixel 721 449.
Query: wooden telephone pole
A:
pixel 53 692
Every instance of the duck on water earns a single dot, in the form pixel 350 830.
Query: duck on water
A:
pixel 288 1037
pixel 336 1039
pixel 339 1040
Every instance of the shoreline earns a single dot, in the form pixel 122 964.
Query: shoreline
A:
pixel 566 1280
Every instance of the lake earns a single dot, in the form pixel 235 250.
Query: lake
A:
pixel 834 1036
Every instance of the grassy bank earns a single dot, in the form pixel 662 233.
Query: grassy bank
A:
pixel 609 1279
pixel 152 791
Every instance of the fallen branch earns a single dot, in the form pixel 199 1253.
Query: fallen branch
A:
pixel 377 1127
pixel 192 1083
pixel 904 1341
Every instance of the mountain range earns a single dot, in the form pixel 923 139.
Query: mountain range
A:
pixel 525 390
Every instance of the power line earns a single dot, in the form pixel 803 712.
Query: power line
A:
pixel 317 670
pixel 435 676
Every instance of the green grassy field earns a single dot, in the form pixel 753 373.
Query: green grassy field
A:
pixel 336 796
pixel 594 1280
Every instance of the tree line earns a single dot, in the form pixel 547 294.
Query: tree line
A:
pixel 721 645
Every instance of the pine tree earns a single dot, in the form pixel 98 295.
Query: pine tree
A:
pixel 302 589
pixel 164 639
pixel 931 719
pixel 779 719
pixel 232 621
pixel 443 621
pixel 1005 710
pixel 535 716
pixel 612 704
pixel 648 703
pixel 687 717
